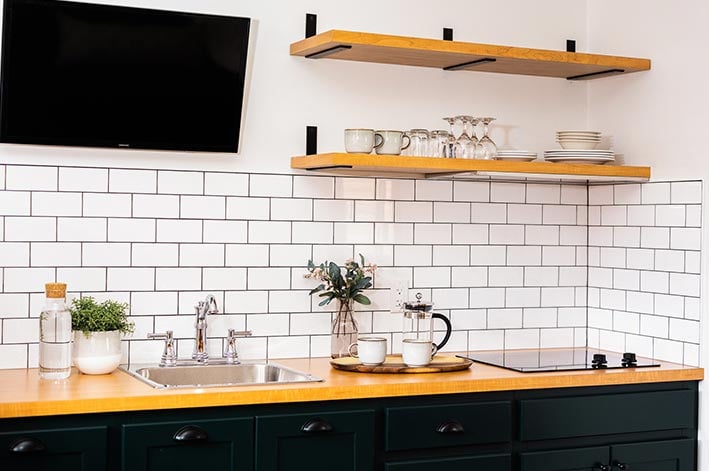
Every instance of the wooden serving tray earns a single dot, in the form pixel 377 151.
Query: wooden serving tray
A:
pixel 394 364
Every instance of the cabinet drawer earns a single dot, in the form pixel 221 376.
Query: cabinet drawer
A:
pixel 67 448
pixel 199 444
pixel 437 426
pixel 542 419
pixel 501 462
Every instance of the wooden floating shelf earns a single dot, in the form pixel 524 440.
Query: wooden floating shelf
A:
pixel 431 167
pixel 457 55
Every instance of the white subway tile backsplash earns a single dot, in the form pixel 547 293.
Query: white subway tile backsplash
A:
pixel 446 255
pixel 600 195
pixel 572 235
pixel 627 194
pixel 600 277
pixel 694 215
pixel 132 181
pixel 669 260
pixel 333 210
pixel 413 255
pixel 668 350
pixel 14 254
pixel 538 193
pixel 289 301
pixel 15 203
pixel 225 231
pixel 573 276
pixel 153 303
pixel 626 236
pixel 542 235
pixel 685 238
pixel 600 236
pixel 685 284
pixel 468 276
pixel 290 255
pixel 692 308
pixel 432 277
pixel 247 255
pixel 83 179
pixel 626 322
pixel 202 207
pixel 55 254
pixel 271 185
pixel 540 317
pixel 471 191
pixel 669 305
pixel 640 302
pixel 553 214
pixel 655 237
pixel 524 255
pixel 419 211
pixel 506 235
pixel 377 211
pixel 96 254
pixel 641 215
pixel 541 276
pixel 223 278
pixel 353 233
pixel 180 183
pixel 692 262
pixel 81 229
pixel 642 259
pixel 25 177
pixel 506 276
pixel 387 189
pixel 488 213
pixel 686 192
pixel 201 255
pixel 291 209
pixel 571 317
pixel 354 188
pixel 28 229
pixel 523 297
pixel 83 279
pixel 245 302
pixel 656 193
pixel 450 298
pixel 136 230
pixel 226 184
pixel 432 233
pixel 387 233
pixel 488 255
pixel 691 354
pixel 524 214
pixel 56 204
pixel 670 215
pixel 654 282
pixel 507 192
pixel 504 318
pixel 614 215
pixel 626 279
pixel 107 205
pixel 269 278
pixel 280 232
pixel 156 206
pixel 248 208
pixel 14 305
pixel 470 234
pixel 451 212
pixel 557 297
pixel 20 331
pixel 426 190
pixel 574 194
pixel 562 255
pixel 177 279
pixel 130 279
pixel 522 338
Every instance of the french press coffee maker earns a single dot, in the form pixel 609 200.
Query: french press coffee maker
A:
pixel 418 347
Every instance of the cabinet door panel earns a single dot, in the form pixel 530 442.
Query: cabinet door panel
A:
pixel 205 444
pixel 465 463
pixel 576 459
pixel 670 455
pixel 74 449
pixel 339 441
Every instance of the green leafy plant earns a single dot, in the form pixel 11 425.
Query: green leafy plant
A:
pixel 89 316
pixel 357 277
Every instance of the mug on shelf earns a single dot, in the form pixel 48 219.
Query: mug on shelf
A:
pixel 371 351
pixel 392 142
pixel 362 141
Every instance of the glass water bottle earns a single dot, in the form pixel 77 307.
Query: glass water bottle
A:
pixel 55 334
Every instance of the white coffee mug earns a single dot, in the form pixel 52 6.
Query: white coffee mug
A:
pixel 362 141
pixel 371 351
pixel 417 352
pixel 392 142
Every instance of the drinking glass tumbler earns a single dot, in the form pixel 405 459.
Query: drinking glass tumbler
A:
pixel 419 142
pixel 438 144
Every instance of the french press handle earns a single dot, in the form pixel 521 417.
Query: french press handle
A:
pixel 445 320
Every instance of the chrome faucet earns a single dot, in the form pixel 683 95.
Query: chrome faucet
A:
pixel 202 309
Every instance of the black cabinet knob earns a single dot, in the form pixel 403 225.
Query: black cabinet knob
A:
pixel 621 466
pixel 599 361
pixel 316 425
pixel 451 426
pixel 27 445
pixel 190 433
pixel 629 359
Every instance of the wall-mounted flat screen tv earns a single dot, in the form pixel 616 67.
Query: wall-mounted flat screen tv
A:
pixel 80 74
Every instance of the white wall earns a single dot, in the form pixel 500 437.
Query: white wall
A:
pixel 287 93
pixel 658 118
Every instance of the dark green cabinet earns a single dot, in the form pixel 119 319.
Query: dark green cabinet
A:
pixel 502 462
pixel 213 445
pixel 341 441
pixel 667 455
pixel 61 449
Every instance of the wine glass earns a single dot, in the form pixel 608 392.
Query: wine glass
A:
pixel 451 137
pixel 488 148
pixel 475 142
pixel 464 145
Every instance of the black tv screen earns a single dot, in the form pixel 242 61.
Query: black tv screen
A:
pixel 80 74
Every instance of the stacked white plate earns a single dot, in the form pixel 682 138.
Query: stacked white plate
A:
pixel 515 155
pixel 579 156
pixel 578 139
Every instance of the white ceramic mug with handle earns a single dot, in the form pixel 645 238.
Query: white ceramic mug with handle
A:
pixel 371 351
pixel 362 141
pixel 393 142
pixel 417 352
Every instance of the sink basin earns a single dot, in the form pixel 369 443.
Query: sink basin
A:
pixel 214 375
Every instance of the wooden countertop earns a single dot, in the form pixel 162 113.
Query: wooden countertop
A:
pixel 24 394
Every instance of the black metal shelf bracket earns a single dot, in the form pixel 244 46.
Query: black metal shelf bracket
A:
pixel 311 140
pixel 465 65
pixel 448 34
pixel 570 45
pixel 327 52
pixel 311 25
pixel 596 74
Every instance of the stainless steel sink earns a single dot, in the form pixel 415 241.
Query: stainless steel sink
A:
pixel 192 375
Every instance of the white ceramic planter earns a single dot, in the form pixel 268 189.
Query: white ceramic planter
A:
pixel 97 354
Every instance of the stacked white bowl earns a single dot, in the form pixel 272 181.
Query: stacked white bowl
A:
pixel 578 139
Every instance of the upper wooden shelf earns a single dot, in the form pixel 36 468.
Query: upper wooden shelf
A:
pixel 438 53
pixel 431 167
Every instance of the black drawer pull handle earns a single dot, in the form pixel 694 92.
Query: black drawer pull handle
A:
pixel 316 425
pixel 27 445
pixel 451 426
pixel 190 433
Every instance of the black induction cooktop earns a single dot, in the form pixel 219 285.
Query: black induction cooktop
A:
pixel 559 359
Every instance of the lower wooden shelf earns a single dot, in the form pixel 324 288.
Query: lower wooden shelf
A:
pixel 431 167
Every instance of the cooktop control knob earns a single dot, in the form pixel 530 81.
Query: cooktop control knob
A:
pixel 629 360
pixel 599 361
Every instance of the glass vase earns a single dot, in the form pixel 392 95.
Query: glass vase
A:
pixel 344 329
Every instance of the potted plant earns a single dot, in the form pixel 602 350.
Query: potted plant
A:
pixel 97 334
pixel 346 289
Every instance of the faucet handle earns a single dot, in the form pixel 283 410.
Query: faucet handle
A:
pixel 230 353
pixel 169 355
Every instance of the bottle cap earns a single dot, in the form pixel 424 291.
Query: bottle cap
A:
pixel 55 290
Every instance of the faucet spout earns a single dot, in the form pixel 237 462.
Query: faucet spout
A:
pixel 202 309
